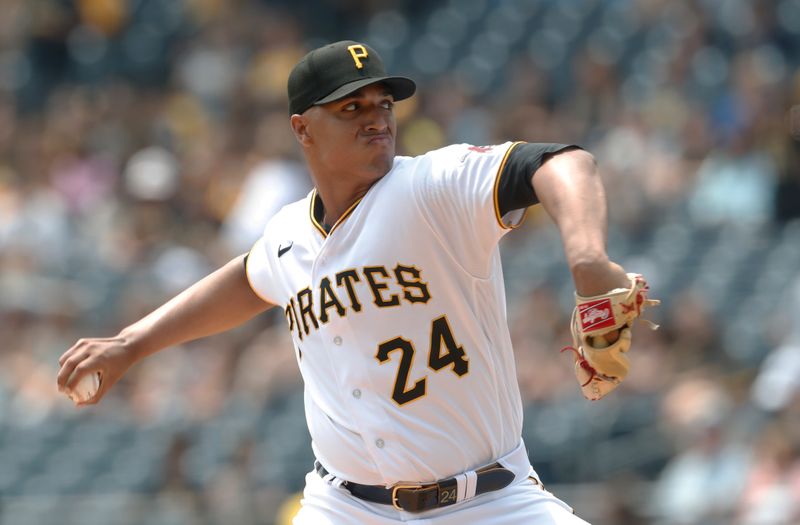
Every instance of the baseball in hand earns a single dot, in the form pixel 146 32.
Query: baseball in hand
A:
pixel 86 388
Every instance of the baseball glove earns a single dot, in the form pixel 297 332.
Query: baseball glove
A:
pixel 601 366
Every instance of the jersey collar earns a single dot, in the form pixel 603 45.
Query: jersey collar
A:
pixel 316 213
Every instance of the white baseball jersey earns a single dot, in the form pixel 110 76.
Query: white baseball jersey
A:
pixel 398 319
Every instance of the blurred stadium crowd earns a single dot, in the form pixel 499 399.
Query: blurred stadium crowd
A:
pixel 139 139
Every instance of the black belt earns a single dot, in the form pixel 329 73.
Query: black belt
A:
pixel 427 496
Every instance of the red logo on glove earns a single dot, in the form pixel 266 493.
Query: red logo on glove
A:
pixel 596 315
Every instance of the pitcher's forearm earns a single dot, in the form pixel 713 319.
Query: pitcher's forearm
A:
pixel 219 302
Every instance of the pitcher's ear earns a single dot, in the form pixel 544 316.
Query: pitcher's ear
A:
pixel 300 129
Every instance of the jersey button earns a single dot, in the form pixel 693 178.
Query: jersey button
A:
pixel 357 393
pixel 337 341
pixel 379 443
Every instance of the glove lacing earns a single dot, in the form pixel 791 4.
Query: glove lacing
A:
pixel 583 363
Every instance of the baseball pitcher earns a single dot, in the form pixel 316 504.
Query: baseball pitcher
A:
pixel 389 276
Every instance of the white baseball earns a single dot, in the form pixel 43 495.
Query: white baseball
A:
pixel 86 388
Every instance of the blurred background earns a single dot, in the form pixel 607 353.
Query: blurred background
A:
pixel 143 143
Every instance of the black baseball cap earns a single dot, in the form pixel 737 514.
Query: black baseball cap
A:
pixel 334 71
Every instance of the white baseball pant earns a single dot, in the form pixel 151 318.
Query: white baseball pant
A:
pixel 524 501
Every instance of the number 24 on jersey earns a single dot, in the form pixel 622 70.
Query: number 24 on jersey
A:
pixel 443 351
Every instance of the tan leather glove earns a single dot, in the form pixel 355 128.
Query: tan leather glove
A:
pixel 600 365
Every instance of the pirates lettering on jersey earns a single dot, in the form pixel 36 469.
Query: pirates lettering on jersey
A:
pixel 327 298
pixel 377 286
pixel 348 277
pixel 306 302
pixel 423 296
pixel 308 308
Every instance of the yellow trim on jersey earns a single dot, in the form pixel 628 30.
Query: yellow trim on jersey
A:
pixel 311 214
pixel 337 223
pixel 497 186
pixel 345 215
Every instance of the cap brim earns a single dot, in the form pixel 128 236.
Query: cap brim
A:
pixel 400 87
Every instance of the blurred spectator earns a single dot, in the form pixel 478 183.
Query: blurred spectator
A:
pixel 787 193
pixel 700 484
pixel 777 384
pixel 276 180
pixel 771 494
pixel 735 185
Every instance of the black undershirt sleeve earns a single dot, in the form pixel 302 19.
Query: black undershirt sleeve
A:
pixel 514 191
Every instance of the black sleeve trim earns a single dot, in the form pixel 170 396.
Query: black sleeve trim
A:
pixel 514 189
